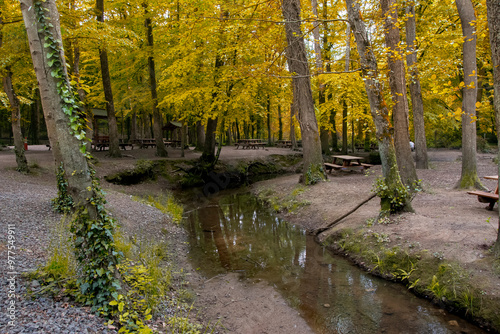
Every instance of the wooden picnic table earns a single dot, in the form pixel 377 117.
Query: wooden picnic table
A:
pixel 347 163
pixel 172 143
pixel 145 142
pixel 487 197
pixel 250 143
pixel 284 143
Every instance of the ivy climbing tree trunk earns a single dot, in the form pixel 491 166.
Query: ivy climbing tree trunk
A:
pixel 99 279
pixel 297 62
pixel 493 7
pixel 469 178
pixel 379 111
pixel 114 143
pixel 397 82
pixel 422 160
pixel 22 163
pixel 157 119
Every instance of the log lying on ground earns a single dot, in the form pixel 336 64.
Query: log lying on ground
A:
pixel 337 221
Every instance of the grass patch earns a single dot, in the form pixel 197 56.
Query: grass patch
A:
pixel 147 273
pixel 166 203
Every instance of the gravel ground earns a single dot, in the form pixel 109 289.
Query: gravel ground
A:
pixel 26 212
pixel 24 208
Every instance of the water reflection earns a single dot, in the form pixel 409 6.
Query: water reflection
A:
pixel 237 234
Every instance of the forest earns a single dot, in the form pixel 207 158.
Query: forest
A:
pixel 334 76
pixel 226 61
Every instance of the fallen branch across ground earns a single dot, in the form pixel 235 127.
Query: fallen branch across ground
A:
pixel 336 221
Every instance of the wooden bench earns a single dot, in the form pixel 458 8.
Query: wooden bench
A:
pixel 330 167
pixel 485 197
pixel 100 143
pixel 366 165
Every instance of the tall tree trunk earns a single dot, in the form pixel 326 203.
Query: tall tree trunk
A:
pixel 280 123
pixel 297 62
pixel 183 139
pixel 133 127
pixel 347 65
pixel 35 124
pixel 157 126
pixel 293 112
pixel 82 95
pixel 323 130
pixel 114 143
pixel 422 161
pixel 397 82
pixel 209 147
pixel 344 127
pixel 269 135
pixel 493 7
pixel 378 107
pixel 200 136
pixel 469 178
pixel 42 25
pixel 22 163
pixel 335 144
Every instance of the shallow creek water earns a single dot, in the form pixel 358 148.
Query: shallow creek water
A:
pixel 236 233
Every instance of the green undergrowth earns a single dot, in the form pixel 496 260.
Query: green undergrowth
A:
pixel 444 282
pixel 288 204
pixel 148 273
pixel 166 203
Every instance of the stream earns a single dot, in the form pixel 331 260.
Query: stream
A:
pixel 236 233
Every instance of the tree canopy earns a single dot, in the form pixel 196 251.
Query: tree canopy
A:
pixel 252 79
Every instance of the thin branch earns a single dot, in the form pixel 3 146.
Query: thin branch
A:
pixel 315 74
pixel 271 21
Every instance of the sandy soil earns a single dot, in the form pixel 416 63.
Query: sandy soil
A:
pixel 446 221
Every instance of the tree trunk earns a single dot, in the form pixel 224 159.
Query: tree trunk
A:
pixel 42 25
pixel 114 147
pixel 157 126
pixel 22 163
pixel 347 65
pixel 469 178
pixel 378 107
pixel 293 112
pixel 397 82
pixel 344 127
pixel 208 154
pixel 335 144
pixel 422 161
pixel 493 7
pixel 323 130
pixel 200 136
pixel 297 62
pixel 82 95
pixel 35 123
pixel 269 135
pixel 183 139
